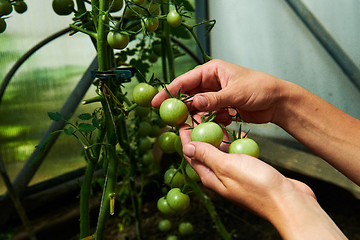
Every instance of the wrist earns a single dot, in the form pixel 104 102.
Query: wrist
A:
pixel 297 215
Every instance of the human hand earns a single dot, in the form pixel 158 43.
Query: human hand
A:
pixel 288 204
pixel 244 180
pixel 218 84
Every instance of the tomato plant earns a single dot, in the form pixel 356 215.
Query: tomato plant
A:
pixel 63 7
pixel 174 18
pixel 143 93
pixel 177 200
pixel 245 146
pixel 208 132
pixel 119 135
pixel 173 112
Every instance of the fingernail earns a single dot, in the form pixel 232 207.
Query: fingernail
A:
pixel 189 150
pixel 202 101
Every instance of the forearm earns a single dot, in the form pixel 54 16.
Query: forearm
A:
pixel 299 216
pixel 324 129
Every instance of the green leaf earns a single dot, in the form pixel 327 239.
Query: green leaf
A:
pixel 55 116
pixel 180 32
pixel 69 131
pixel 96 123
pixel 86 127
pixel 85 116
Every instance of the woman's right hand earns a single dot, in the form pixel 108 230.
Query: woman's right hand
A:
pixel 219 84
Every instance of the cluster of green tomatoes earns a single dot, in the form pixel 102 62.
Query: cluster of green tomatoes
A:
pixel 141 13
pixel 174 113
pixel 6 8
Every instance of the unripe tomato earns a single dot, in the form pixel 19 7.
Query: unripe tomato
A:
pixel 143 93
pixel 186 228
pixel 117 40
pixel 164 206
pixel 2 25
pixel 174 18
pixel 177 200
pixel 144 144
pixel 148 158
pixel 20 6
pixel 166 142
pixel 151 24
pixel 144 129
pixel 154 131
pixel 142 111
pixel 164 225
pixel 5 7
pixel 172 237
pixel 208 132
pixel 63 7
pixel 174 178
pixel 245 146
pixel 173 112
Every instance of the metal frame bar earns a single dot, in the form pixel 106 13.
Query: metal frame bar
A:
pixel 346 64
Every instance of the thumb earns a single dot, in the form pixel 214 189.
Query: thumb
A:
pixel 204 153
pixel 210 101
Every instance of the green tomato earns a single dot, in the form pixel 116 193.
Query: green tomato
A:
pixel 172 237
pixel 186 228
pixel 142 111
pixel 5 7
pixel 164 207
pixel 151 24
pixel 166 142
pixel 174 18
pixel 2 25
pixel 208 132
pixel 144 144
pixel 177 200
pixel 143 93
pixel 164 225
pixel 174 178
pixel 117 40
pixel 154 131
pixel 148 158
pixel 191 173
pixel 245 146
pixel 20 6
pixel 144 129
pixel 63 7
pixel 173 112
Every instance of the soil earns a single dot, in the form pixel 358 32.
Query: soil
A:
pixel 341 206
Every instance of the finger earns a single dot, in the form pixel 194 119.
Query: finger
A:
pixel 210 101
pixel 205 153
pixel 202 79
pixel 207 176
